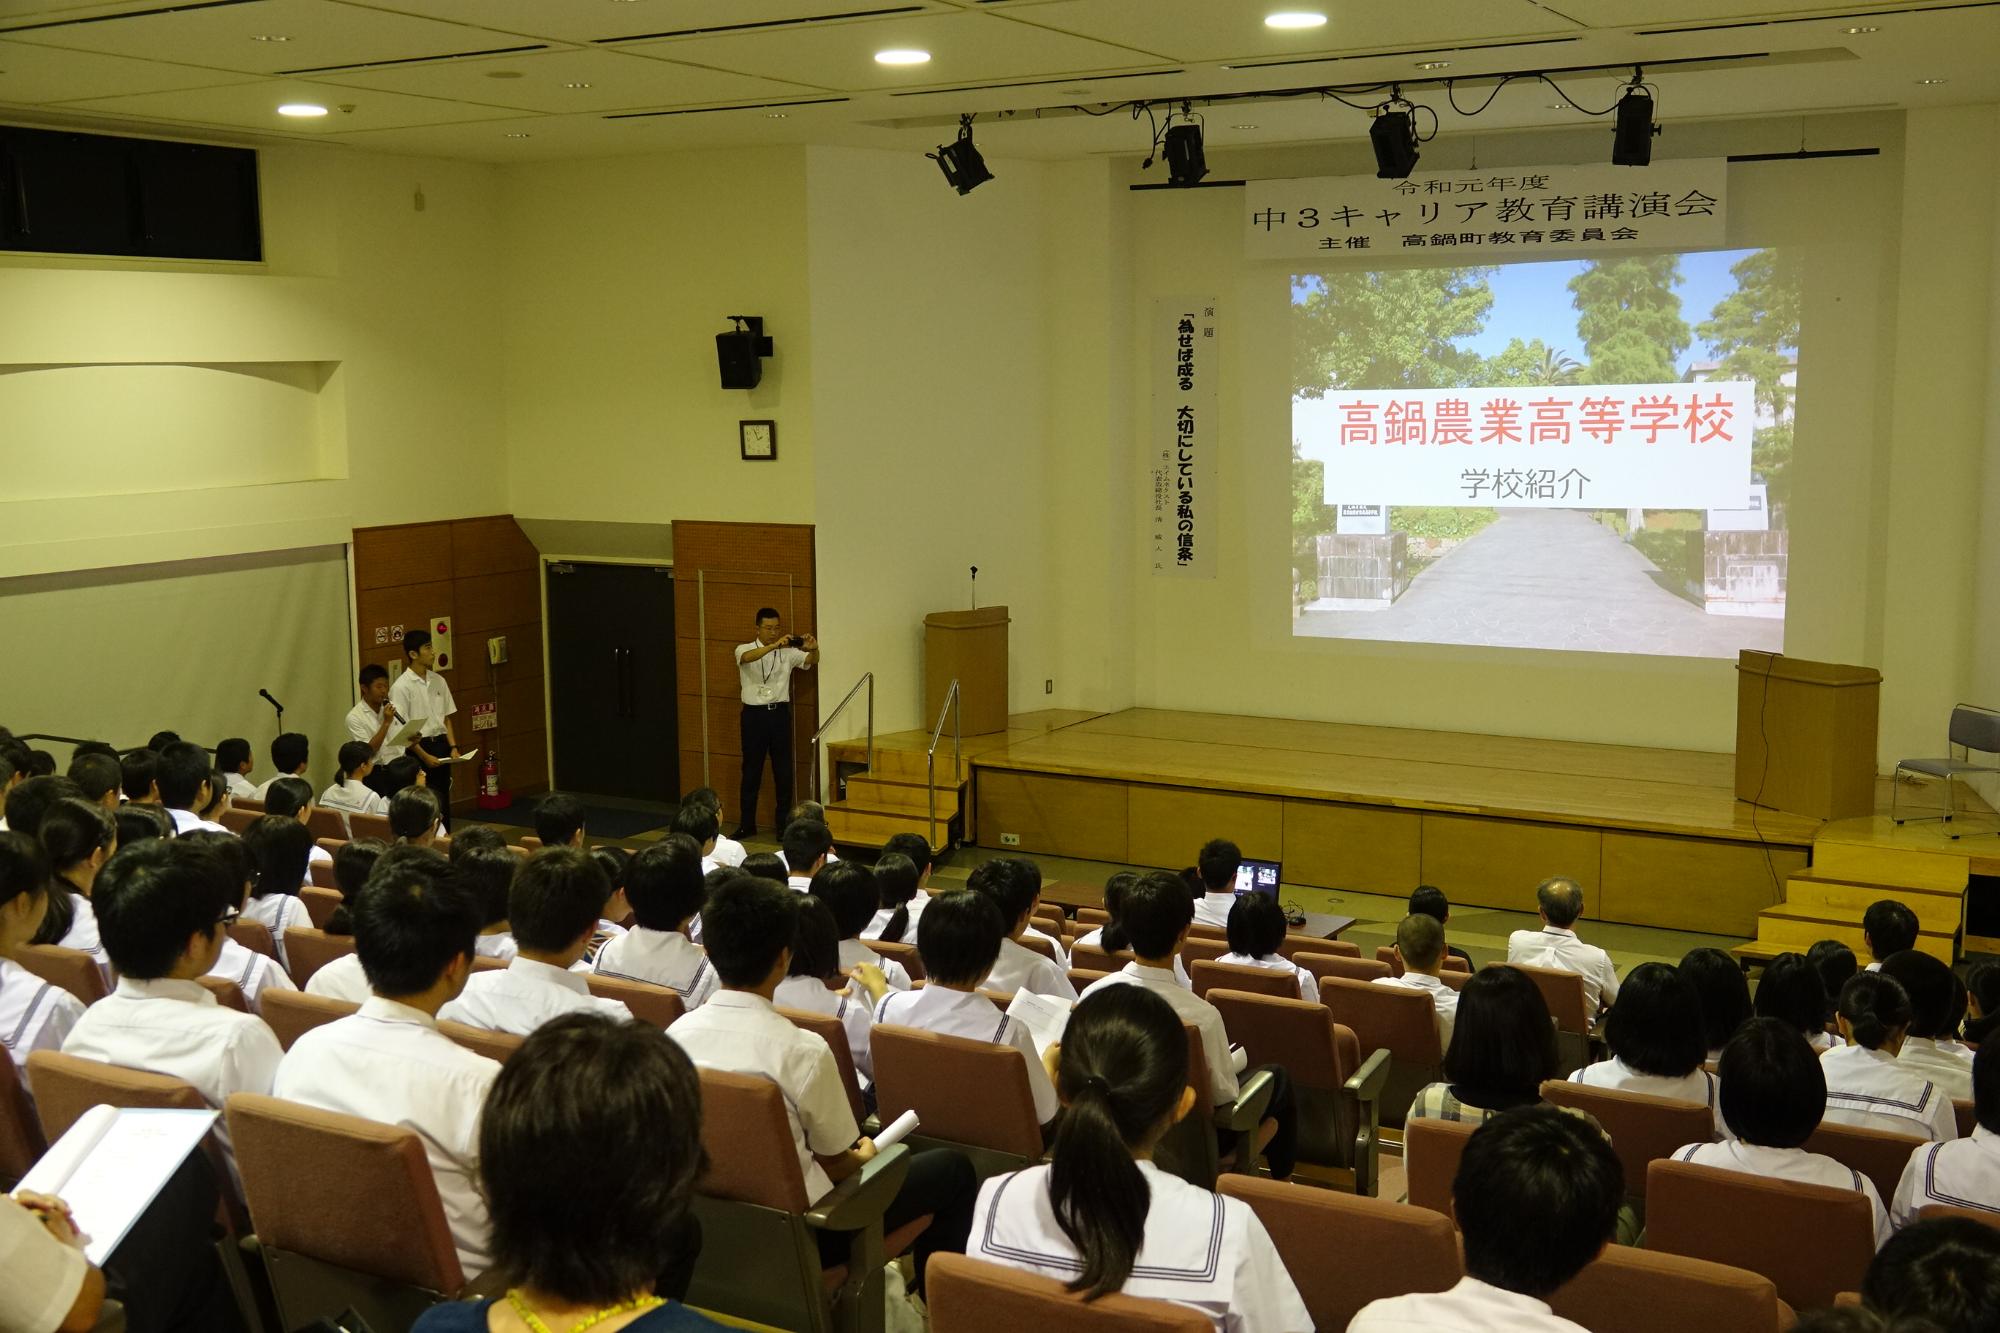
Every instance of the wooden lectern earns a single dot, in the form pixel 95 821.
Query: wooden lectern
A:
pixel 1819 721
pixel 971 648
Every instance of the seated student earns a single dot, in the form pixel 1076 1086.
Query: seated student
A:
pixel 917 851
pixel 164 908
pixel 415 816
pixel 748 926
pixel 350 790
pixel 804 849
pixel 898 907
pixel 281 848
pixel 816 983
pixel 343 978
pixel 1773 1098
pixel 1927 981
pixel 848 890
pixel 959 938
pixel 253 972
pixel 290 755
pixel 559 820
pixel 1111 937
pixel 1156 913
pixel 1015 886
pixel 137 823
pixel 1723 993
pixel 1420 948
pixel 138 777
pixel 1791 991
pixel 218 802
pixel 79 838
pixel 1865 1083
pixel 767 866
pixel 812 810
pixel 664 887
pixel 1503 1048
pixel 1556 945
pixel 579 1093
pixel 1256 931
pixel 16 763
pixel 51 1287
pixel 99 777
pixel 1657 1047
pixel 34 1015
pixel 1964 1173
pixel 292 798
pixel 1101 1217
pixel 1982 985
pixel 553 909
pixel 1429 900
pixel 1887 927
pixel 487 875
pixel 728 851
pixel 698 823
pixel 1835 963
pixel 232 760
pixel 413 934
pixel 1961 1004
pixel 161 740
pixel 1216 865
pixel 613 862
pixel 183 778
pixel 1536 1199
pixel 1940 1276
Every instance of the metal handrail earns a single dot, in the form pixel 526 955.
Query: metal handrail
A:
pixel 868 679
pixel 930 757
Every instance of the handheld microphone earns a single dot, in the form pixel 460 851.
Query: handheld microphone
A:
pixel 265 695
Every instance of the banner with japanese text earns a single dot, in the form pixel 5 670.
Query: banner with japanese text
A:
pixel 1650 446
pixel 1490 216
pixel 1182 365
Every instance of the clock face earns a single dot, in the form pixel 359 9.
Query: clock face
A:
pixel 759 439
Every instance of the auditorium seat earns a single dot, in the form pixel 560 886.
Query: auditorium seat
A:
pixel 326 822
pixel 1627 1290
pixel 1087 956
pixel 1345 1250
pixel 1431 1149
pixel 834 1033
pixel 320 902
pixel 1397 1019
pixel 1191 1149
pixel 1875 1153
pixel 1990 1216
pixel 226 992
pixel 1812 1241
pixel 483 963
pixel 971 1095
pixel 1040 944
pixel 1049 918
pixel 902 952
pixel 1195 949
pixel 492 1044
pixel 655 1006
pixel 254 936
pixel 967 1296
pixel 236 818
pixel 249 803
pixel 319 875
pixel 21 1137
pixel 1564 993
pixel 1643 1129
pixel 531 844
pixel 1294 945
pixel 1092 918
pixel 1351 968
pixel 1208 975
pixel 1203 931
pixel 68 969
pixel 310 950
pixel 1081 977
pixel 369 826
pixel 293 1013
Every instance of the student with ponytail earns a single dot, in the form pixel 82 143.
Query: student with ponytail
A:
pixel 895 920
pixel 79 838
pixel 1100 1216
pixel 1865 1084
pixel 1113 938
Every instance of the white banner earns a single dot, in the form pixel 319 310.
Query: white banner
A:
pixel 1488 217
pixel 1594 446
pixel 1182 364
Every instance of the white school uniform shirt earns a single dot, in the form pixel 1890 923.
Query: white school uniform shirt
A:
pixel 1873 1090
pixel 388 1063
pixel 1192 1009
pixel 799 883
pixel 850 1005
pixel 83 937
pixel 1277 962
pixel 741 1033
pixel 187 821
pixel 1062 954
pixel 728 852
pixel 341 979
pixel 1200 1250
pixel 1964 1173
pixel 1554 946
pixel 1699 1087
pixel 1795 1164
pixel 660 958
pixel 361 724
pixel 526 995
pixel 354 798
pixel 1212 908
pixel 279 912
pixel 768 680
pixel 1443 998
pixel 499 946
pixel 1096 940
pixel 252 972
pixel 880 921
pixel 240 786
pixel 1020 968
pixel 1950 1069
pixel 971 1015
pixel 853 953
pixel 34 1015
pixel 44 1275
pixel 1470 1307
pixel 426 699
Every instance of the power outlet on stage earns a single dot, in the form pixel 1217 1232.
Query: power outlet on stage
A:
pixel 1010 840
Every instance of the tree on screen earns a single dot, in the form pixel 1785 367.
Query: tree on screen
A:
pixel 1630 320
pixel 1754 332
pixel 1531 364
pixel 1391 330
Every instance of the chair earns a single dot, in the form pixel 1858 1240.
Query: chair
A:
pixel 760 1256
pixel 1093 958
pixel 1201 930
pixel 1338 1092
pixel 1643 1129
pixel 489 1042
pixel 1382 1248
pixel 327 823
pixel 1398 1019
pixel 1564 993
pixel 1080 977
pixel 901 952
pixel 1627 1290
pixel 1811 1241
pixel 68 969
pixel 531 844
pixel 1875 1153
pixel 1295 945
pixel 249 803
pixel 1352 968
pixel 1989 1216
pixel 1092 916
pixel 254 936
pixel 1195 949
pixel 346 1211
pixel 293 1013
pixel 1208 976
pixel 21 1137
pixel 319 874
pixel 310 950
pixel 1040 944
pixel 656 1006
pixel 1972 728
pixel 519 850
pixel 1192 1148
pixel 226 992
pixel 369 826
pixel 1431 1149
pixel 236 818
pixel 971 1095
pixel 1050 918
pixel 1967 1116
pixel 967 1296
pixel 320 901
pixel 834 1033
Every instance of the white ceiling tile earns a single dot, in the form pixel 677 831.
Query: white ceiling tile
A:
pixel 595 20
pixel 1674 13
pixel 254 106
pixel 35 75
pixel 617 82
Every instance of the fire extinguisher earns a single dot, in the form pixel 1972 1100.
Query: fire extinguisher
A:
pixel 489 774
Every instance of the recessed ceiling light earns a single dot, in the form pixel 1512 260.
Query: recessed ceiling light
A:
pixel 1433 64
pixel 1856 32
pixel 302 110
pixel 1294 19
pixel 1930 83
pixel 1242 127
pixel 515 134
pixel 776 115
pixel 576 85
pixel 268 37
pixel 1558 106
pixel 902 55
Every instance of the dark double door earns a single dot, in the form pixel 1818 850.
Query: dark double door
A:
pixel 611 680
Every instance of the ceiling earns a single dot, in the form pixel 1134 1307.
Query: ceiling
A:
pixel 522 80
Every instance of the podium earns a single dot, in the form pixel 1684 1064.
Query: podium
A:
pixel 970 647
pixel 1805 735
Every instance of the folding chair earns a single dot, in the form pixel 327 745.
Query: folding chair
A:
pixel 657 1006
pixel 1811 1241
pixel 68 969
pixel 967 1296
pixel 254 936
pixel 293 1013
pixel 310 950
pixel 1643 1129
pixel 1875 1153
pixel 1431 1149
pixel 1208 975
pixel 1627 1290
pixel 1192 1148
pixel 320 902
pixel 494 1045
pixel 904 953
pixel 1346 967
pixel 970 1095
pixel 1396 1019
pixel 834 1033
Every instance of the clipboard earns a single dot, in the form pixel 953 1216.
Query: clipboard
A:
pixel 402 739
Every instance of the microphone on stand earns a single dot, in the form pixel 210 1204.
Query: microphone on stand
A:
pixel 266 696
pixel 975 587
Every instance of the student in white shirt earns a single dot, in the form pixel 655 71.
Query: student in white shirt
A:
pixel 1556 945
pixel 291 755
pixel 421 695
pixel 849 892
pixel 817 983
pixel 184 779
pixel 559 820
pixel 232 760
pixel 1723 993
pixel 96 771
pixel 748 927
pixel 79 838
pixel 902 900
pixel 663 885
pixel 1773 1098
pixel 416 815
pixel 282 848
pixel 1216 865
pixel 253 972
pixel 1928 983
pixel 1256 929
pixel 413 933
pixel 697 822
pixel 344 978
pixel 375 722
pixel 1865 1084
pixel 728 851
pixel 1654 1032
pixel 34 1016
pixel 1887 927
pixel 1121 1073
pixel 805 846
pixel 1536 1200
pixel 486 874
pixel 350 792
pixel 51 1287
pixel 1420 949
pixel 1111 938
pixel 1792 992
pixel 553 907
pixel 1964 1173
pixel 1015 886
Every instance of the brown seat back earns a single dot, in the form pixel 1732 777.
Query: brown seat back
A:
pixel 70 969
pixel 1048 917
pixel 368 826
pixel 1452 962
pixel 226 992
pixel 966 1296
pixel 21 1137
pixel 963 1091
pixel 1431 1149
pixel 1201 930
pixel 484 963
pixel 1081 977
pixel 1385 1249
pixel 293 1013
pixel 1643 1129
pixel 1398 1019
pixel 327 823
pixel 1040 944
pixel 320 902
pixel 834 1033
pixel 1875 1153
pixel 489 1042
pixel 1195 949
pixel 901 952
pixel 356 1193
pixel 1294 945
pixel 254 936
pixel 1092 916
pixel 749 1143
pixel 1564 993
pixel 1317 1052
pixel 1090 957
pixel 1642 1291
pixel 1754 1222
pixel 1990 1216
pixel 65 1086
pixel 656 1006
pixel 1257 980
pixel 1324 965
pixel 237 818
pixel 310 950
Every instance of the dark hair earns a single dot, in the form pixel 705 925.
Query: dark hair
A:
pixel 1791 989
pixel 1123 1067
pixel 1889 926
pixel 1156 912
pixel 414 640
pixel 282 848
pixel 959 937
pixel 697 822
pixel 580 1086
pixel 286 796
pixel 1536 1199
pixel 31 798
pixel 913 845
pixel 95 774
pixel 896 889
pixel 664 882
pixel 410 922
pixel 24 866
pixel 1986 1088
pixel 815 941
pixel 1982 983
pixel 765 613
pixel 232 754
pixel 1926 980
pixel 352 756
pixel 746 926
pixel 183 767
pixel 1773 1090
pixel 1722 992
pixel 229 851
pixel 765 866
pixel 1561 900
pixel 15 757
pixel 1503 1042
pixel 290 751
pixel 556 899
pixel 1113 938
pixel 371 673
pixel 414 811
pixel 484 876
pixel 1217 861
pixel 1946 1271
pixel 1256 925
pixel 1430 901
pixel 1874 1005
pixel 218 793
pixel 1654 1025
pixel 805 842
pixel 558 818
pixel 703 796
pixel 152 897
pixel 136 823
pixel 41 764
pixel 353 862
pixel 72 829
pixel 849 890
pixel 138 774
pixel 612 861
pixel 1012 883
pixel 476 838
pixel 162 739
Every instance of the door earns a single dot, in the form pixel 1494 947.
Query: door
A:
pixel 611 680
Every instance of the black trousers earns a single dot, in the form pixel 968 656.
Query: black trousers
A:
pixel 439 777
pixel 767 730
pixel 941 1185
pixel 166 1270
pixel 1282 1152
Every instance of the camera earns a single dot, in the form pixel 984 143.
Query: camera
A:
pixel 795 641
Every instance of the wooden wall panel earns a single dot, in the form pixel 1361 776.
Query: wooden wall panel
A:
pixel 1498 862
pixel 1690 884
pixel 489 601
pixel 406 553
pixel 726 776
pixel 491 546
pixel 1166 826
pixel 1367 848
pixel 1059 816
pixel 410 605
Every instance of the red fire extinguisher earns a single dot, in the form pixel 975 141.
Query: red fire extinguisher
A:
pixel 491 797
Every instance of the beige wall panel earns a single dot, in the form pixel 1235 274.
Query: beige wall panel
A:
pixel 1169 824
pixel 1498 862
pixel 1689 884
pixel 1058 816
pixel 1370 848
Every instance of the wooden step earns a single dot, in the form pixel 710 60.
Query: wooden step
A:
pixel 872 792
pixel 1937 911
pixel 866 828
pixel 902 765
pixel 1799 928
pixel 1869 863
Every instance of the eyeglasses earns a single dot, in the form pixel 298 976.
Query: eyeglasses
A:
pixel 229 918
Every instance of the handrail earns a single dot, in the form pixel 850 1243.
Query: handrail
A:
pixel 868 679
pixel 950 706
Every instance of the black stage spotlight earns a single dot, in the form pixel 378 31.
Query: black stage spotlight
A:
pixel 1394 135
pixel 1186 164
pixel 1632 135
pixel 960 161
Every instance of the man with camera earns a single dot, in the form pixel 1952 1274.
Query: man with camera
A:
pixel 765 666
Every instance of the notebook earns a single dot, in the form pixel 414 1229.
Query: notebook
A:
pixel 111 1164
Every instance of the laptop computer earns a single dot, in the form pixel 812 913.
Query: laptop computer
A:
pixel 1258 877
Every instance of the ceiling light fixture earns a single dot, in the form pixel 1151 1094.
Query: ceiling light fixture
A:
pixel 1930 83
pixel 1242 127
pixel 902 55
pixel 302 110
pixel 1433 64
pixel 960 162
pixel 1856 32
pixel 776 115
pixel 1186 163
pixel 576 85
pixel 268 37
pixel 516 134
pixel 1294 20
pixel 1633 128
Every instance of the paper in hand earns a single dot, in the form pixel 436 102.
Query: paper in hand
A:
pixel 111 1164
pixel 899 1129
pixel 1043 1016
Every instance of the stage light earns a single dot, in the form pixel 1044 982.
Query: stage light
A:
pixel 1394 135
pixel 960 162
pixel 1186 164
pixel 1632 126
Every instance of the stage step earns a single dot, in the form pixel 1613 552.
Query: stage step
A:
pixel 901 765
pixel 1936 910
pixel 871 828
pixel 895 796
pixel 1869 863
pixel 1792 927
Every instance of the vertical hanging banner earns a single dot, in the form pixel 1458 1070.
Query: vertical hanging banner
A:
pixel 1183 436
